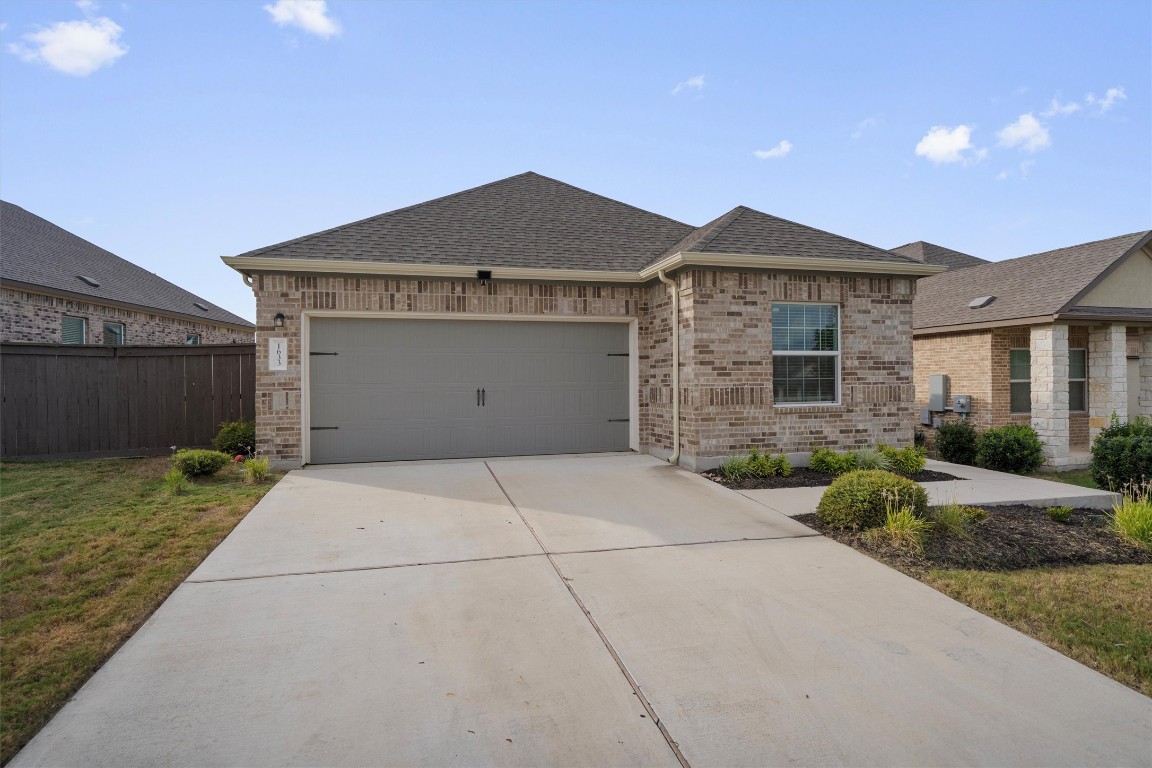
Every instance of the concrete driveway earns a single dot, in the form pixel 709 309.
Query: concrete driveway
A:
pixel 602 610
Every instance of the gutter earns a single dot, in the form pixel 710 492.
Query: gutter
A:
pixel 675 457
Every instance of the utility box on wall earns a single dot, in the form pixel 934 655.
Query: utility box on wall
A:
pixel 938 392
pixel 962 403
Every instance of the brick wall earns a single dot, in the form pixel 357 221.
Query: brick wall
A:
pixel 725 332
pixel 35 317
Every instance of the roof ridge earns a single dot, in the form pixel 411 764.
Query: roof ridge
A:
pixel 1140 233
pixel 876 248
pixel 739 210
pixel 605 197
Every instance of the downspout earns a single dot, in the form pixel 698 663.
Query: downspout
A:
pixel 675 457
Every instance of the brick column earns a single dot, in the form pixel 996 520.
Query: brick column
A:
pixel 1107 376
pixel 1049 352
pixel 1145 383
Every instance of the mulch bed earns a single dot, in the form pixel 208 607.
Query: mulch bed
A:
pixel 1010 538
pixel 802 477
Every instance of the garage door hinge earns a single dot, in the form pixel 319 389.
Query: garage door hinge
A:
pixel 619 354
pixel 333 354
pixel 316 428
pixel 612 420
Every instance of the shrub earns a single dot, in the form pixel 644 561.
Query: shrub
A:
pixel 256 470
pixel 907 461
pixel 921 439
pixel 1122 453
pixel 194 463
pixel 1012 448
pixel 956 519
pixel 831 463
pixel 175 482
pixel 956 442
pixel 859 499
pixel 902 529
pixel 236 437
pixel 780 465
pixel 1132 517
pixel 1061 514
pixel 871 458
pixel 735 468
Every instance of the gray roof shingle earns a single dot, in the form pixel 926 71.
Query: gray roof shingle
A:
pixel 1029 286
pixel 930 253
pixel 525 221
pixel 746 231
pixel 36 252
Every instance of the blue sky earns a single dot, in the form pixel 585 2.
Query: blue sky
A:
pixel 174 132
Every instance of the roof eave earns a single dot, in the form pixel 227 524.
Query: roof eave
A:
pixel 789 263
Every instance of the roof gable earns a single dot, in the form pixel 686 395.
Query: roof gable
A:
pixel 1030 286
pixel 746 231
pixel 525 221
pixel 36 252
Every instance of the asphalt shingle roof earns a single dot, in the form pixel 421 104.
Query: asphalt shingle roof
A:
pixel 930 253
pixel 1030 286
pixel 36 252
pixel 746 231
pixel 532 221
pixel 526 221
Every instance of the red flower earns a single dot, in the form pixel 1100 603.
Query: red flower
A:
pixel 238 458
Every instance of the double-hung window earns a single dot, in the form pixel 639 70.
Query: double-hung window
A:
pixel 1077 379
pixel 113 334
pixel 72 330
pixel 1020 380
pixel 806 354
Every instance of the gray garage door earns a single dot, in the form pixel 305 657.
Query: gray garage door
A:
pixel 385 390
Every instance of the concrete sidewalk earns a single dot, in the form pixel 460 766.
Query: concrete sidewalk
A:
pixel 979 486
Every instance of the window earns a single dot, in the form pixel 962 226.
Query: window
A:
pixel 1020 380
pixel 72 330
pixel 806 353
pixel 192 338
pixel 1077 379
pixel 113 334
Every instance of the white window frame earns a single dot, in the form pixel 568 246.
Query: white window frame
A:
pixel 191 339
pixel 1084 379
pixel 1012 381
pixel 83 329
pixel 805 353
pixel 123 333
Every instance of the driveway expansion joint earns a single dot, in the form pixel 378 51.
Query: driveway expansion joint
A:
pixel 644 702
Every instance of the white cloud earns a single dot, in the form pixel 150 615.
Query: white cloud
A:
pixel 86 5
pixel 864 125
pixel 1057 107
pixel 1002 175
pixel 1026 166
pixel 1026 133
pixel 693 83
pixel 74 47
pixel 308 15
pixel 780 150
pixel 948 145
pixel 1108 100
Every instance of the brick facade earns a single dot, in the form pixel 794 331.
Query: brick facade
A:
pixel 725 338
pixel 36 318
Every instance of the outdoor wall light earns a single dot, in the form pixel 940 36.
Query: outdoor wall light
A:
pixel 278 321
pixel 483 275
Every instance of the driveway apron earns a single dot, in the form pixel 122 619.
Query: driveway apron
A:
pixel 588 610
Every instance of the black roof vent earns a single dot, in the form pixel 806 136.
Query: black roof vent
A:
pixel 199 306
pixel 90 281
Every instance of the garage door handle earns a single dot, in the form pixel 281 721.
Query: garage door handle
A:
pixel 477 397
pixel 483 398
pixel 318 428
pixel 611 421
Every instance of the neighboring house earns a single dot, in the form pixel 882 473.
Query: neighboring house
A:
pixel 1060 340
pixel 527 316
pixel 928 253
pixel 57 288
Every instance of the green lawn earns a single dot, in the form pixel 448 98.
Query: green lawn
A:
pixel 1081 477
pixel 1099 615
pixel 90 549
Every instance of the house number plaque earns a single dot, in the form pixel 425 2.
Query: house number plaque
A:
pixel 278 354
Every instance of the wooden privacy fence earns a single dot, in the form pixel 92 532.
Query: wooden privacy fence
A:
pixel 71 402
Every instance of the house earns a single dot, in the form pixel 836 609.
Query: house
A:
pixel 929 253
pixel 528 316
pixel 57 288
pixel 1060 340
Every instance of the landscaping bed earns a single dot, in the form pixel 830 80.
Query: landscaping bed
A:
pixel 803 477
pixel 1010 538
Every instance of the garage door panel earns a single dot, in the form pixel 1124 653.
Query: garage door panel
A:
pixel 406 389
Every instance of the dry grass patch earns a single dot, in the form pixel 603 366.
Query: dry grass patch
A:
pixel 90 549
pixel 1100 615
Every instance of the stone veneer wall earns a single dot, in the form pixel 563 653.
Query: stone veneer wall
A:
pixel 278 393
pixel 726 359
pixel 36 317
